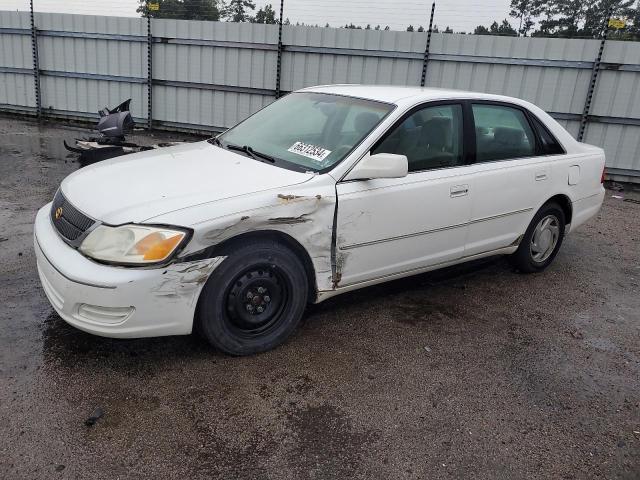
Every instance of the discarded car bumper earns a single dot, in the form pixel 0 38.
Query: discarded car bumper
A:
pixel 114 301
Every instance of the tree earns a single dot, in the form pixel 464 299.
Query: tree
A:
pixel 420 28
pixel 481 30
pixel 571 18
pixel 236 10
pixel 596 15
pixel 634 28
pixel 377 27
pixel 209 10
pixel 266 15
pixel 447 30
pixel 410 28
pixel 525 11
pixel 503 28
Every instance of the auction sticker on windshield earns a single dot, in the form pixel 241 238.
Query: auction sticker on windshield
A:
pixel 309 151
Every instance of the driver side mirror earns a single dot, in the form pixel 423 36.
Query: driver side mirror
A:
pixel 380 165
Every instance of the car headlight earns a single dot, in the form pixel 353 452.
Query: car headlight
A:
pixel 132 244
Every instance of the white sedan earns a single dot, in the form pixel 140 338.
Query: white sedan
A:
pixel 326 190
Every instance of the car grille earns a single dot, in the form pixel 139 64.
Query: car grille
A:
pixel 69 222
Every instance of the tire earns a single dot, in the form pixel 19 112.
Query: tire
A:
pixel 540 244
pixel 254 300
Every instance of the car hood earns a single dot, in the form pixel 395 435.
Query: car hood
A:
pixel 140 186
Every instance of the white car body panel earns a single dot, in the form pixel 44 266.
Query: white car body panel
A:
pixel 168 179
pixel 386 226
pixel 355 233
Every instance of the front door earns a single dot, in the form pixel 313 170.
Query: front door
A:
pixel 392 226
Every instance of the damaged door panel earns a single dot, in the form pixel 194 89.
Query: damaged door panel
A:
pixel 387 226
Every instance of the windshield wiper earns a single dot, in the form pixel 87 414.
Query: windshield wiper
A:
pixel 251 152
pixel 216 141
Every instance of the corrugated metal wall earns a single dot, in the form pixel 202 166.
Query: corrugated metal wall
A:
pixel 93 56
pixel 16 89
pixel 210 75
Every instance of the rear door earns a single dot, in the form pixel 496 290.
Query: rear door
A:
pixel 512 176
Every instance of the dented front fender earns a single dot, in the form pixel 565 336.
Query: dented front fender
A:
pixel 304 212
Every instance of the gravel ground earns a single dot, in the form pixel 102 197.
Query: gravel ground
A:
pixel 470 372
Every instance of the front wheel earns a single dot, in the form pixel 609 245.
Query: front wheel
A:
pixel 254 300
pixel 542 240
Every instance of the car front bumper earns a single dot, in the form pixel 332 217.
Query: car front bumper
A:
pixel 117 301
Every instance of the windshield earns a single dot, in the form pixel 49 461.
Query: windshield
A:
pixel 306 131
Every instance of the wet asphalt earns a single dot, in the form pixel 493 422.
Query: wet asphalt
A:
pixel 470 372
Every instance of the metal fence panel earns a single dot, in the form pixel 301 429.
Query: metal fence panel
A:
pixel 15 51
pixel 547 82
pixel 16 64
pixel 71 95
pixel 210 109
pixel 370 60
pixel 620 142
pixel 90 24
pixel 212 54
pixel 17 90
pixel 210 75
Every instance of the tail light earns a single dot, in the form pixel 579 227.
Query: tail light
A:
pixel 602 176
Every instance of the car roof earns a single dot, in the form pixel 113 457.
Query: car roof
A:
pixel 405 94
pixel 406 97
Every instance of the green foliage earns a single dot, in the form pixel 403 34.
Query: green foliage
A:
pixel 265 15
pixel 574 18
pixel 554 18
pixel 183 9
pixel 236 10
pixel 496 28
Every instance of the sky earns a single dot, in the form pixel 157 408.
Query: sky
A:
pixel 460 15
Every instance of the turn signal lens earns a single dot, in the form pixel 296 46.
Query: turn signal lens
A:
pixel 147 242
pixel 161 249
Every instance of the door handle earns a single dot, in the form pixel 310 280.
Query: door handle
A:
pixel 541 176
pixel 459 190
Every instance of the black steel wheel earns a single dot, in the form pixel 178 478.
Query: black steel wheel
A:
pixel 254 299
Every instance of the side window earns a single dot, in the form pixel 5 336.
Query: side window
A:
pixel 550 145
pixel 430 138
pixel 501 133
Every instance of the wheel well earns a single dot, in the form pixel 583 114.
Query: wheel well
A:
pixel 565 204
pixel 281 237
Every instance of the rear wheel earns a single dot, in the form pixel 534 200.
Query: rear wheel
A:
pixel 254 300
pixel 542 240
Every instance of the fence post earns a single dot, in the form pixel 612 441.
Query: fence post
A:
pixel 425 60
pixel 584 118
pixel 279 65
pixel 149 72
pixel 36 63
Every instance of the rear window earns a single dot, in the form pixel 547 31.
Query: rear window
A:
pixel 502 132
pixel 549 145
